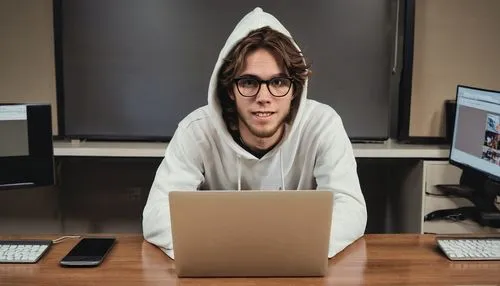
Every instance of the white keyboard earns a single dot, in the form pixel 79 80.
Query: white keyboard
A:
pixel 23 251
pixel 470 248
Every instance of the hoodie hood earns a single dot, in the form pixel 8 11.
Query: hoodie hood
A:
pixel 256 19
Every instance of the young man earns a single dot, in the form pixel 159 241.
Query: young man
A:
pixel 259 131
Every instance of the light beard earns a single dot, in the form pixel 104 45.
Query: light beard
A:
pixel 263 134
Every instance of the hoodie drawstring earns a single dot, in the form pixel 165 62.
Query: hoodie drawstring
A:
pixel 281 168
pixel 239 173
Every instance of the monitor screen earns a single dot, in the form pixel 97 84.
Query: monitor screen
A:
pixel 14 125
pixel 26 149
pixel 476 137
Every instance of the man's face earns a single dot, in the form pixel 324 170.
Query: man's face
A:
pixel 262 115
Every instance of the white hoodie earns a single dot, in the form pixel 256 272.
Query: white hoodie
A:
pixel 314 153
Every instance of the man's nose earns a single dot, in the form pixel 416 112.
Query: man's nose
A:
pixel 263 94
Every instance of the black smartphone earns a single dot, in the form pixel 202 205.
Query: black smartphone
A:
pixel 88 252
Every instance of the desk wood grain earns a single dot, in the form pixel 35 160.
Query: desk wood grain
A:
pixel 372 260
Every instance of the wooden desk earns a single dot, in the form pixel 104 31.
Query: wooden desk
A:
pixel 374 259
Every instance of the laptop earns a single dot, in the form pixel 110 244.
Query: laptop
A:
pixel 251 233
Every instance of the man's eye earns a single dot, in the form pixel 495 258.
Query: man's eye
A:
pixel 279 82
pixel 248 83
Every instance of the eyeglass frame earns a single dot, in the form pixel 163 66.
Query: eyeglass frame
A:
pixel 261 81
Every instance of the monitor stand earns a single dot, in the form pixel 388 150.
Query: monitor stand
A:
pixel 486 189
pixel 482 191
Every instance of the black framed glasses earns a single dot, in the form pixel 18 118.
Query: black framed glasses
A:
pixel 250 86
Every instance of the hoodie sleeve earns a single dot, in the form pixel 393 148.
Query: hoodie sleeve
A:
pixel 180 169
pixel 336 170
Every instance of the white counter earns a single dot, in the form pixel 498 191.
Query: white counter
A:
pixel 387 149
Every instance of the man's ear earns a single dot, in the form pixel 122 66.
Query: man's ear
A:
pixel 231 94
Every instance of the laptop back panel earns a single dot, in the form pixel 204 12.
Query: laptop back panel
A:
pixel 251 233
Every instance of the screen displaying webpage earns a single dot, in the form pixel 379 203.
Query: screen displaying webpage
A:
pixel 13 131
pixel 476 140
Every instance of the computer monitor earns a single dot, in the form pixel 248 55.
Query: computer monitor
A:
pixel 476 137
pixel 26 149
pixel 475 145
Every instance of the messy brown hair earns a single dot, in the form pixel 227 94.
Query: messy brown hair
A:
pixel 287 56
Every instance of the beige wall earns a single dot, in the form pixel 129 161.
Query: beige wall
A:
pixel 27 71
pixel 456 42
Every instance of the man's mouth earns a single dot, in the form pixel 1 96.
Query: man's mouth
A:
pixel 262 114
